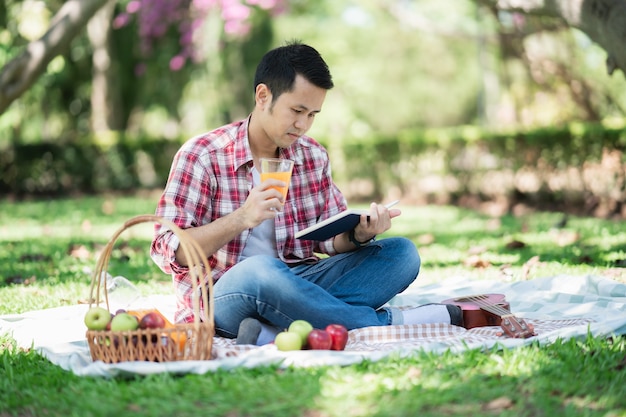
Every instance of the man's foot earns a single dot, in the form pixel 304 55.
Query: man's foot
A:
pixel 456 315
pixel 433 313
pixel 255 332
pixel 249 331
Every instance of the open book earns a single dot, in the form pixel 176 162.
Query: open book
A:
pixel 339 223
pixel 332 226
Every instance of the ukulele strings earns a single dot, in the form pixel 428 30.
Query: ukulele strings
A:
pixel 480 301
pixel 493 308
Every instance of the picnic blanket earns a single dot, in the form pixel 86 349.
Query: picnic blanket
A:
pixel 560 307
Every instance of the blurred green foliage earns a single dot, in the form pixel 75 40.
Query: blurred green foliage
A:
pixel 423 89
pixel 576 167
pixel 397 65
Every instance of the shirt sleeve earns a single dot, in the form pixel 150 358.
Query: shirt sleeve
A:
pixel 185 202
pixel 163 251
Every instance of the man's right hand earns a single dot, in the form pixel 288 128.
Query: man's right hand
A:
pixel 262 203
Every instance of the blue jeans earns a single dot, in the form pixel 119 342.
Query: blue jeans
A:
pixel 348 288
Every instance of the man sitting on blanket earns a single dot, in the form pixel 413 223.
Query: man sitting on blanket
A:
pixel 264 277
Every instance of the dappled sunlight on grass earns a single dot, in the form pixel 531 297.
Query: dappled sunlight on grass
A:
pixel 51 245
pixel 48 257
pixel 508 381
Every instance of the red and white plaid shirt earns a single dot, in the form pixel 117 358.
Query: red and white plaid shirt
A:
pixel 211 176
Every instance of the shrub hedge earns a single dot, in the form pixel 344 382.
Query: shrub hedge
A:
pixel 578 165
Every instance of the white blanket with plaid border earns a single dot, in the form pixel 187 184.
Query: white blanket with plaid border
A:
pixel 559 307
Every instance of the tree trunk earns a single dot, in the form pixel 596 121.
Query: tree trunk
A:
pixel 22 72
pixel 604 21
pixel 106 101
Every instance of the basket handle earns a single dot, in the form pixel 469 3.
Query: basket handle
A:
pixel 192 251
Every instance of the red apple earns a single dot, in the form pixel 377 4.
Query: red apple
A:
pixel 319 340
pixel 152 320
pixel 339 336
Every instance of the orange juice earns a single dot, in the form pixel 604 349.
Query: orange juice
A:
pixel 281 176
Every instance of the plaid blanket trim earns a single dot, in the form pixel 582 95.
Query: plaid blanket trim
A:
pixel 411 337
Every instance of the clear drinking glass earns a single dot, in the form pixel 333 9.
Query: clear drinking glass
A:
pixel 279 169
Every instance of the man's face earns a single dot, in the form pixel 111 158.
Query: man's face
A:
pixel 291 115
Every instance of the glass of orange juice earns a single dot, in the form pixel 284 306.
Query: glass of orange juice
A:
pixel 279 169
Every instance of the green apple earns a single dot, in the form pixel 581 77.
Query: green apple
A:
pixel 288 341
pixel 124 322
pixel 302 327
pixel 97 318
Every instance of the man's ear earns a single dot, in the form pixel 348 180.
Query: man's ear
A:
pixel 262 95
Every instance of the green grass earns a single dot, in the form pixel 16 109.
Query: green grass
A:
pixel 569 378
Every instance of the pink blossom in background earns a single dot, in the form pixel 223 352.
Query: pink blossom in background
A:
pixel 281 8
pixel 133 6
pixel 177 62
pixel 235 11
pixel 121 20
pixel 155 17
pixel 236 27
pixel 196 24
pixel 204 4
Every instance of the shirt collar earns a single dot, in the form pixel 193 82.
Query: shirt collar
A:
pixel 243 154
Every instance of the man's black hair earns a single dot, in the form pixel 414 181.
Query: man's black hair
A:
pixel 278 68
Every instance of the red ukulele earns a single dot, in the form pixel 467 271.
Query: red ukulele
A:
pixel 491 310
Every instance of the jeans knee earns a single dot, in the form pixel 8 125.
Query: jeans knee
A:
pixel 252 274
pixel 407 247
pixel 404 253
pixel 404 248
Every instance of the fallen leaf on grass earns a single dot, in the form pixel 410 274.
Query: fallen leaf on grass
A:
pixel 476 261
pixel 414 373
pixel 493 224
pixel 506 272
pixel 426 239
pixel 617 274
pixel 529 265
pixel 499 404
pixel 79 252
pixel 583 403
pixel 564 237
pixel 86 226
pixel 477 250
pixel 108 207
pixel 515 244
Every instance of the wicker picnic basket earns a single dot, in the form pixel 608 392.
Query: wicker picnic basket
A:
pixel 191 341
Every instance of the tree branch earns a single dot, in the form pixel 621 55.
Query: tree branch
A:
pixel 21 72
pixel 604 21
